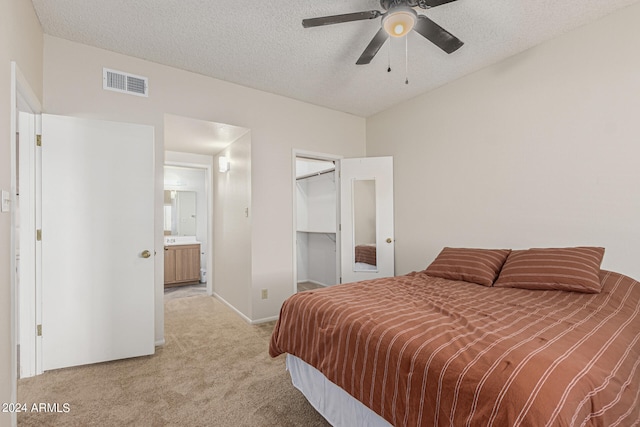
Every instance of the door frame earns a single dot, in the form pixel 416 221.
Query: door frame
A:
pixel 208 189
pixel 315 156
pixel 23 98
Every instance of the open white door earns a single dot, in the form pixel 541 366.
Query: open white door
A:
pixel 97 241
pixel 366 214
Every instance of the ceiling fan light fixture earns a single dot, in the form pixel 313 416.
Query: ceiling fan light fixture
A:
pixel 399 21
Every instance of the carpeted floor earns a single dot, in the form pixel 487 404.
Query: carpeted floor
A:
pixel 214 370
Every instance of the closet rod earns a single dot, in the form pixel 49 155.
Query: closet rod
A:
pixel 314 174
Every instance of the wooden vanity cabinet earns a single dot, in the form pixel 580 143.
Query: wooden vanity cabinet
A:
pixel 181 264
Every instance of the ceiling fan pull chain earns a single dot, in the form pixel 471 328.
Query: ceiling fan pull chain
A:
pixel 389 57
pixel 406 59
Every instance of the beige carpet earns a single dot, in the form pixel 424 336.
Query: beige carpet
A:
pixel 214 370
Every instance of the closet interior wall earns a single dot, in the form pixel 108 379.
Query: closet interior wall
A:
pixel 316 198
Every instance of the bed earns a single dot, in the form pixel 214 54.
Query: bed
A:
pixel 366 254
pixel 420 350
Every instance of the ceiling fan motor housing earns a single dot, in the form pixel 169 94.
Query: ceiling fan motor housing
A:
pixel 389 4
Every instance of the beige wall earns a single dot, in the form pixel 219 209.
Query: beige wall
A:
pixel 539 150
pixel 20 41
pixel 73 86
pixel 232 227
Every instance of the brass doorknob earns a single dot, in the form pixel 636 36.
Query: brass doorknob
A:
pixel 146 254
pixel 389 240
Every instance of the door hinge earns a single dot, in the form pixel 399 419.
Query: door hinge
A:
pixel 339 227
pixel 39 330
pixel 39 140
pixel 39 235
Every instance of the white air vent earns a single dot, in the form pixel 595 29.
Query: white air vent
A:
pixel 124 82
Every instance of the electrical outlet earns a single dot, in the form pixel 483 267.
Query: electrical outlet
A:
pixel 265 294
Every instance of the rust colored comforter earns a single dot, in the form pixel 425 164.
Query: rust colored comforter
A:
pixel 366 254
pixel 423 351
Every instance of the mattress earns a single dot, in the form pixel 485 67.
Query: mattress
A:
pixel 419 350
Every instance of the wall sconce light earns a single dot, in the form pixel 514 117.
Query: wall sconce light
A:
pixel 223 164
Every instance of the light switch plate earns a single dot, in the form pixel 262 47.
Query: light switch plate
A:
pixel 6 201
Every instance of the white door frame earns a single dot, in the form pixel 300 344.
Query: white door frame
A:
pixel 316 156
pixel 23 98
pixel 30 361
pixel 208 189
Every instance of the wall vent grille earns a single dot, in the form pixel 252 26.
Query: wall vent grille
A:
pixel 124 82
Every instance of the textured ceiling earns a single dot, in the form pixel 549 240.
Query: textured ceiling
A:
pixel 189 135
pixel 264 46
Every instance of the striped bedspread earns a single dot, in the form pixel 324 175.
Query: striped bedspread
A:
pixel 422 351
pixel 366 254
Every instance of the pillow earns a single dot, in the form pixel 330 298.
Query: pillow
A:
pixel 479 266
pixel 568 269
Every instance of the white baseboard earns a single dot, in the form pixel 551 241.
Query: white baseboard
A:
pixel 264 320
pixel 225 302
pixel 315 282
pixel 160 342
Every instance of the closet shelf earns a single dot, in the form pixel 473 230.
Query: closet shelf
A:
pixel 318 231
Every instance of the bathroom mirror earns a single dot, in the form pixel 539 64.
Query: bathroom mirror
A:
pixel 364 225
pixel 179 213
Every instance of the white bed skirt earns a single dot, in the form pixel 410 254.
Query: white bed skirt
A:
pixel 337 406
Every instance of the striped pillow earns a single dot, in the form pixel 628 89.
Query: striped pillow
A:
pixel 479 266
pixel 568 269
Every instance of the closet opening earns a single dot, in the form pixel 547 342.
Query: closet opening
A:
pixel 317 245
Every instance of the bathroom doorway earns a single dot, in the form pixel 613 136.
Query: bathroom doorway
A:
pixel 186 230
pixel 191 149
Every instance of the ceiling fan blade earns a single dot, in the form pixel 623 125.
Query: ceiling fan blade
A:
pixel 374 46
pixel 434 3
pixel 437 35
pixel 337 19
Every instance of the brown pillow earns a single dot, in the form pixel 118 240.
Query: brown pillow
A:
pixel 568 269
pixel 479 266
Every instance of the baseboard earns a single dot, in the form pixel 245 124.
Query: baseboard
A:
pixel 225 302
pixel 160 343
pixel 315 282
pixel 264 320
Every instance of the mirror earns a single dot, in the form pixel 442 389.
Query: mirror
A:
pixel 364 225
pixel 179 213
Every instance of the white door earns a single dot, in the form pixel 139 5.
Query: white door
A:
pixel 366 215
pixel 97 241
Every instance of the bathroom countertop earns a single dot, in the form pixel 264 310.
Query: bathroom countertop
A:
pixel 180 240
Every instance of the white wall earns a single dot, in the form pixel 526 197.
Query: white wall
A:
pixel 20 41
pixel 322 262
pixel 316 198
pixel 539 150
pixel 73 86
pixel 232 227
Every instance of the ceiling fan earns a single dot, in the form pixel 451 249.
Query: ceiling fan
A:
pixel 398 20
